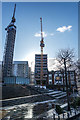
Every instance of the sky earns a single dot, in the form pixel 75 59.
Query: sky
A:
pixel 60 27
pixel 0 31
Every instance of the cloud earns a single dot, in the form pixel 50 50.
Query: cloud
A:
pixel 44 34
pixel 64 28
pixel 51 34
pixel 39 34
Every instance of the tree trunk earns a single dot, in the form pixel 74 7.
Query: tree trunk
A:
pixel 66 85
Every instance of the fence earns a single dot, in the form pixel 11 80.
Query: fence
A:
pixel 67 116
pixel 16 80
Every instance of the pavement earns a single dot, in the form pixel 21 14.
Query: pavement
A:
pixel 42 95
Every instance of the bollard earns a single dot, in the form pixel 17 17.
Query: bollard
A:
pixel 70 112
pixel 67 114
pixel 75 112
pixel 58 117
pixel 54 116
pixel 63 115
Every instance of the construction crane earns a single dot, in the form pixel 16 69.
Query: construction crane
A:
pixel 13 18
pixel 41 45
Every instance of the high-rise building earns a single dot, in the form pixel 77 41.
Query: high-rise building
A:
pixel 79 30
pixel 9 47
pixel 38 69
pixel 20 69
pixel 53 64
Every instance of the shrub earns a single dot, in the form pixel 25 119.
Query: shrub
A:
pixel 59 110
pixel 73 104
pixel 76 102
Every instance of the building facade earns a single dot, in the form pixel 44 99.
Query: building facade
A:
pixel 38 69
pixel 20 73
pixel 20 69
pixel 58 78
pixel 9 48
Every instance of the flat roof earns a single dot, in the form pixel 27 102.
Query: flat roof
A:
pixel 20 62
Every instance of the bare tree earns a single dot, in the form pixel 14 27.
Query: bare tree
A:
pixel 67 55
pixel 65 58
pixel 78 68
pixel 78 64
